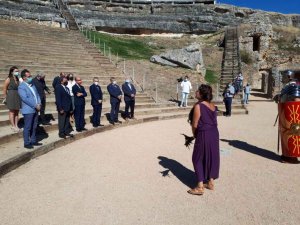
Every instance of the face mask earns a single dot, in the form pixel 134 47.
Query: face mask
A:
pixel 29 80
pixel 114 82
pixel 96 83
pixel 71 78
pixel 185 79
pixel 16 74
pixel 127 81
pixel 65 83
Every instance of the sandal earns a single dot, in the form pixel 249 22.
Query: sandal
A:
pixel 196 191
pixel 209 186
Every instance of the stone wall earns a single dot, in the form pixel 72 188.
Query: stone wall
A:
pixel 36 10
pixel 177 18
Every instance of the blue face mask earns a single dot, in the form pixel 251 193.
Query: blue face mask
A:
pixel 29 80
pixel 16 74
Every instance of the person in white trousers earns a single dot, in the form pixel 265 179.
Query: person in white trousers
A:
pixel 186 87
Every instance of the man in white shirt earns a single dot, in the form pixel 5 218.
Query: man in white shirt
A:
pixel 186 87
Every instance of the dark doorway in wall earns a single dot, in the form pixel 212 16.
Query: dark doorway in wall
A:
pixel 256 43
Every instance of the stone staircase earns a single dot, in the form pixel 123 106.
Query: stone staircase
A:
pixel 231 63
pixel 60 4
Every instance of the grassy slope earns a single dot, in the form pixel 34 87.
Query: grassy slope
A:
pixel 142 48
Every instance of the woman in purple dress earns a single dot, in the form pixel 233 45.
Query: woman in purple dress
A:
pixel 206 155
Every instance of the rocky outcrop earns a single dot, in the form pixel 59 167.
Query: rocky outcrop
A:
pixel 169 18
pixel 189 57
pixel 123 17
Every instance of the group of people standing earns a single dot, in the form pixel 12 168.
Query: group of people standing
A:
pixel 232 89
pixel 22 91
pixel 70 97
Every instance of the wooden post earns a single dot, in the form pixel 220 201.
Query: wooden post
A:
pixel 104 48
pixel 133 72
pixel 155 92
pixel 109 54
pixel 124 68
pixel 144 79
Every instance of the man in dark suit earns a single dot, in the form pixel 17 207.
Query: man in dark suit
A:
pixel 41 87
pixel 64 108
pixel 56 80
pixel 79 102
pixel 115 94
pixel 129 98
pixel 96 94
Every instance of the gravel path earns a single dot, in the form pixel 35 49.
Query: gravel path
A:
pixel 140 175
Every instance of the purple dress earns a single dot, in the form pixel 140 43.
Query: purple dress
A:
pixel 206 154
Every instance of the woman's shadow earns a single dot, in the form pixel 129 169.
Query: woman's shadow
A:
pixel 253 149
pixel 185 175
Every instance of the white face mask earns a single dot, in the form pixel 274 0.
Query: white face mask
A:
pixel 127 81
pixel 96 82
pixel 114 82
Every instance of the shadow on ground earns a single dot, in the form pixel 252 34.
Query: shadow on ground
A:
pixel 253 149
pixel 260 93
pixel 185 175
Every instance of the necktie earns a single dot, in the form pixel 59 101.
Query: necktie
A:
pixel 67 90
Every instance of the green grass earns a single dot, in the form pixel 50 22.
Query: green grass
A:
pixel 211 76
pixel 123 47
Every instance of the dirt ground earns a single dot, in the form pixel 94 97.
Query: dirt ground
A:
pixel 141 174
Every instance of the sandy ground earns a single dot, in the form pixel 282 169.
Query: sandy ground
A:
pixel 140 175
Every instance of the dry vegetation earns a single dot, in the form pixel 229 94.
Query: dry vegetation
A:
pixel 164 77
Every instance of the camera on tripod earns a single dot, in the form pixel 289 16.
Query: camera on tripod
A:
pixel 179 80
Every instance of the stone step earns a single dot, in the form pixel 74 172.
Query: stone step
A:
pixel 8 136
pixel 105 108
pixel 50 103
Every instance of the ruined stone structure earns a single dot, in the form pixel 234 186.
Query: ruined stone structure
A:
pixel 195 18
pixel 35 10
pixel 144 16
pixel 169 16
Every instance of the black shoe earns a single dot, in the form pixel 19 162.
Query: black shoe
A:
pixel 95 126
pixel 36 144
pixel 62 136
pixel 84 129
pixel 28 146
pixel 78 130
pixel 118 121
pixel 111 122
pixel 101 125
pixel 70 135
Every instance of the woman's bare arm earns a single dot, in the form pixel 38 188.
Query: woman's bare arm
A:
pixel 196 117
pixel 5 86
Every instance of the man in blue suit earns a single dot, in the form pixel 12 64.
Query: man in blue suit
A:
pixel 129 98
pixel 115 94
pixel 79 102
pixel 31 105
pixel 97 97
pixel 64 107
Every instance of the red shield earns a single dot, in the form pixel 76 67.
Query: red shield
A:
pixel 289 128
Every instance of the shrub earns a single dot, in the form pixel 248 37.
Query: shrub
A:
pixel 246 57
pixel 211 76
